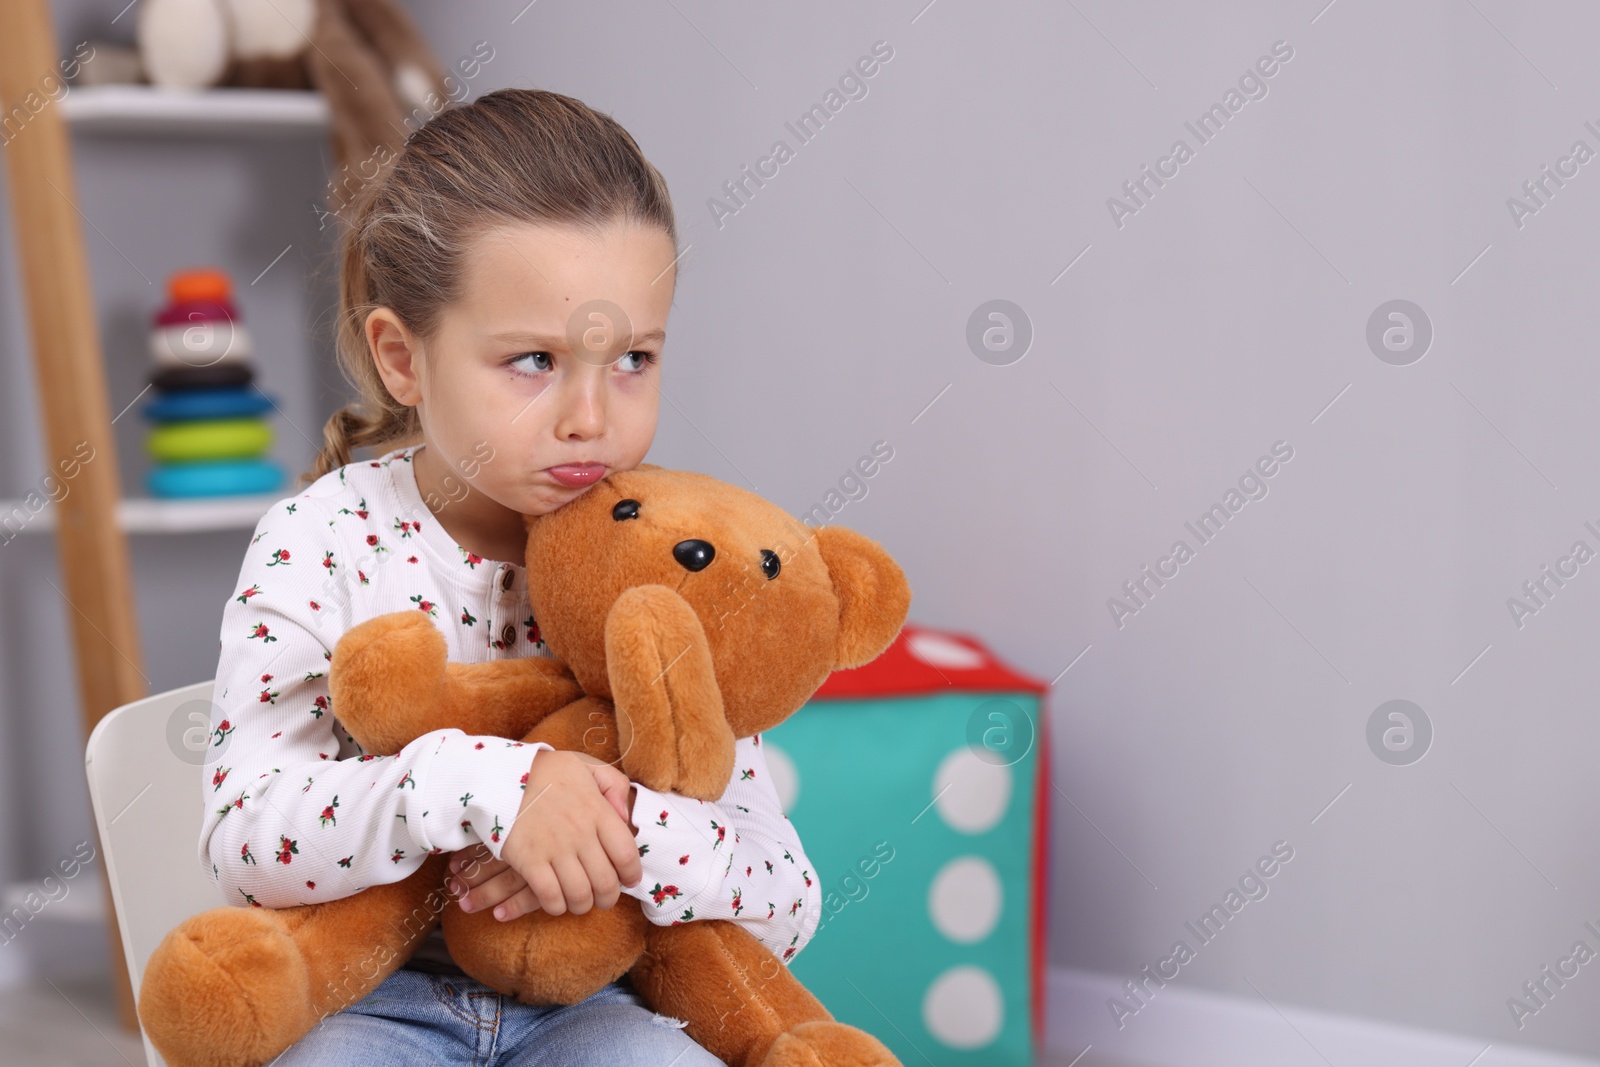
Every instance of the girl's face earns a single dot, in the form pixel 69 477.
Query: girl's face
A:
pixel 544 376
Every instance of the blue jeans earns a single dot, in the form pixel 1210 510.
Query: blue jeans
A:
pixel 419 1017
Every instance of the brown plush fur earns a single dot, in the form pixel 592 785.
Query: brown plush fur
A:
pixel 673 666
pixel 355 55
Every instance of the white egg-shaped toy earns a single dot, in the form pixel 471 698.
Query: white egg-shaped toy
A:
pixel 183 44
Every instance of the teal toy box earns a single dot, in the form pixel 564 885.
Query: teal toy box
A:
pixel 919 788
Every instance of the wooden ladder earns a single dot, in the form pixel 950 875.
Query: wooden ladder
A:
pixel 72 391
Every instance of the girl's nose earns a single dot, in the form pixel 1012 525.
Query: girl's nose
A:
pixel 583 413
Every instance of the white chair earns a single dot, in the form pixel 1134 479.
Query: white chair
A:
pixel 145 762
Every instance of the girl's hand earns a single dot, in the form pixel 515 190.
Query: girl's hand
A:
pixel 478 880
pixel 570 844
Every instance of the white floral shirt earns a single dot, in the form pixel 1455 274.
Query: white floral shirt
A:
pixel 297 813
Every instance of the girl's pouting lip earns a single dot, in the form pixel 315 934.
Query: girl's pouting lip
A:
pixel 577 474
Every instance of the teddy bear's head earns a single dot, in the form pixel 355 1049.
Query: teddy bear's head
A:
pixel 781 604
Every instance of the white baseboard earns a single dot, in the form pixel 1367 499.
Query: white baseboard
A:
pixel 1188 1028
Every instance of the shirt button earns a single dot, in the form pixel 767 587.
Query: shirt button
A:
pixel 505 583
pixel 508 634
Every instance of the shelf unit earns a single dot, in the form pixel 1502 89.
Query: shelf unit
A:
pixel 150 515
pixel 147 111
pixel 143 110
pixel 91 523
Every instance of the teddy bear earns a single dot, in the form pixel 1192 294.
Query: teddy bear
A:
pixel 366 57
pixel 682 612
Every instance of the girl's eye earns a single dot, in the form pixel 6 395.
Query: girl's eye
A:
pixel 639 360
pixel 540 362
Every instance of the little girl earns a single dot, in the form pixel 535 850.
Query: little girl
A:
pixel 504 290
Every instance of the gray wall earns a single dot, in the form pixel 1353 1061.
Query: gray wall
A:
pixel 1221 318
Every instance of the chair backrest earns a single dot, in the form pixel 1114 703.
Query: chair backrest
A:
pixel 145 762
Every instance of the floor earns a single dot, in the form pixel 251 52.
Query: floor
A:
pixel 74 1022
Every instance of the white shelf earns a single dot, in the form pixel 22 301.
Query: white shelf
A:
pixel 149 515
pixel 145 109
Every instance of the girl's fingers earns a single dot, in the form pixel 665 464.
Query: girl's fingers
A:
pixel 469 858
pixel 503 886
pixel 478 874
pixel 521 903
pixel 546 888
pixel 575 887
pixel 622 850
pixel 602 876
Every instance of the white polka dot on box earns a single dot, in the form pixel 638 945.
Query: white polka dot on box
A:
pixel 918 786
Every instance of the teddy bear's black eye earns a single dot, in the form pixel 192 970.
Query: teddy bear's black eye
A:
pixel 769 563
pixel 625 509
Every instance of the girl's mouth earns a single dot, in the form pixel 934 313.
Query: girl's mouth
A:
pixel 577 475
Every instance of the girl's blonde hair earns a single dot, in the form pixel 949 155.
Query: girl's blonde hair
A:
pixel 513 155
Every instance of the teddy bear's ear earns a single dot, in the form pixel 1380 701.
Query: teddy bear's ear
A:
pixel 872 590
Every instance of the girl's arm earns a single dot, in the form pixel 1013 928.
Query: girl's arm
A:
pixel 736 858
pixel 287 821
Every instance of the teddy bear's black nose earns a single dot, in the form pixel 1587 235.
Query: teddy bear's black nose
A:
pixel 694 554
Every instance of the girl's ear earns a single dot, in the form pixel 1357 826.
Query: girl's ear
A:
pixel 393 350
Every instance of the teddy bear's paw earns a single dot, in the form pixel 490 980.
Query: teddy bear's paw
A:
pixel 399 633
pixel 827 1043
pixel 382 676
pixel 226 987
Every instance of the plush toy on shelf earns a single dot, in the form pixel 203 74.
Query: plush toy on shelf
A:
pixel 365 56
pixel 210 436
pixel 750 608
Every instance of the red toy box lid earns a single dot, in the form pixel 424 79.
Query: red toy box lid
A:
pixel 925 660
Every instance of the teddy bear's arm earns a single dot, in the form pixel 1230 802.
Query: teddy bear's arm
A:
pixel 391 683
pixel 670 721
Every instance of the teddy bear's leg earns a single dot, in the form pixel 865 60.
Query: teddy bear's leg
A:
pixel 547 959
pixel 236 986
pixel 553 959
pixel 742 1003
pixel 672 727
pixel 391 683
